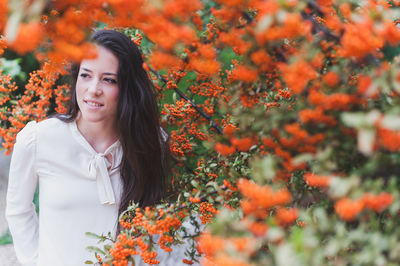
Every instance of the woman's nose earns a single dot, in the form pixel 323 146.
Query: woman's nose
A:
pixel 94 87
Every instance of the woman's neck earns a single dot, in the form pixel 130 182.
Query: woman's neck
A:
pixel 99 135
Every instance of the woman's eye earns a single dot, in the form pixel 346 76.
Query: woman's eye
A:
pixel 84 75
pixel 112 81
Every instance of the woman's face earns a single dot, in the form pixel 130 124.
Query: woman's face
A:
pixel 97 87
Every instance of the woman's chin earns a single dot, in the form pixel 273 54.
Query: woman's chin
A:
pixel 91 118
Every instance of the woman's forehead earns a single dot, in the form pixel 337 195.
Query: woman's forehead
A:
pixel 104 62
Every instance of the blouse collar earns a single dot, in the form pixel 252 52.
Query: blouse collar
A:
pixel 98 165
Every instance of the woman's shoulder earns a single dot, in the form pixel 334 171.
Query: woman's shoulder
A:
pixel 51 123
pixel 46 127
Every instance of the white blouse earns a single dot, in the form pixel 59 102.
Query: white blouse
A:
pixel 79 191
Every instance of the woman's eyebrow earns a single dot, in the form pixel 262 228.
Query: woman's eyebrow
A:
pixel 88 70
pixel 105 73
pixel 108 73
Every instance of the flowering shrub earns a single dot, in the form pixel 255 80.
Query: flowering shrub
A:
pixel 283 116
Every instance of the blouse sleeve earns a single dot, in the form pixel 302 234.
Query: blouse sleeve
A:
pixel 20 210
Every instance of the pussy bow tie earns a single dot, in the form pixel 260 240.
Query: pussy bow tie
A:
pixel 98 171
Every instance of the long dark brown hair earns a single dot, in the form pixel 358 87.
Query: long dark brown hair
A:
pixel 144 168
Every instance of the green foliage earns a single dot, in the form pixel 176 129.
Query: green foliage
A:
pixel 6 239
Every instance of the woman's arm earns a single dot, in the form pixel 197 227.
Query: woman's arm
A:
pixel 20 210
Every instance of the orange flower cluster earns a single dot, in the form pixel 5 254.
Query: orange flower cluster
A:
pixel 287 147
pixel 242 73
pixel 213 247
pixel 180 144
pixel 33 32
pixel 126 225
pixel 160 60
pixel 364 83
pixel 300 140
pixel 224 260
pixel 34 104
pixel 189 262
pixel 209 244
pixel 297 75
pixel 148 257
pixel 242 144
pixel 263 60
pixel 316 180
pixel 235 39
pixel 239 144
pixel 378 202
pixel 229 185
pixel 194 200
pixel 286 216
pixel 177 111
pixel 286 94
pixel 6 88
pixel 162 225
pixel 223 149
pixel 3 45
pixel 331 79
pixel 261 196
pixel 62 97
pixel 293 26
pixel 196 19
pixel 119 252
pixel 207 211
pixel 227 192
pixel 389 139
pixel 249 101
pixel 316 116
pixel 145 223
pixel 359 40
pixel 204 59
pixel 138 39
pixel 209 90
pixel 348 209
pixel 167 34
pixel 334 101
pixel 258 228
pixel 184 117
pixel 390 33
pixel 3 13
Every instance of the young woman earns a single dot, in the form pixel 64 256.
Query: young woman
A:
pixel 106 151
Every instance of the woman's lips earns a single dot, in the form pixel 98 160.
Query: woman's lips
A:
pixel 93 104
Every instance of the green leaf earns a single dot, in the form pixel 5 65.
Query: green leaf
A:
pixel 94 235
pixel 263 170
pixel 361 120
pixel 107 247
pixel 95 249
pixel 194 183
pixel 6 238
pixel 340 187
pixel 356 120
pixel 391 122
pixel 303 158
pixel 285 255
pixel 274 234
pixel 264 23
pixel 365 141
